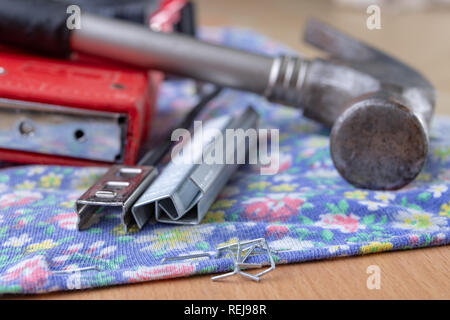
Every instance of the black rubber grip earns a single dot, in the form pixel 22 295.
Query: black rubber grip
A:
pixel 37 25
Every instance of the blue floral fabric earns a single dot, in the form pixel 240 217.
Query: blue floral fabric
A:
pixel 306 209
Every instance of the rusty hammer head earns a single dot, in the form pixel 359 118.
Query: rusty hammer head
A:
pixel 379 109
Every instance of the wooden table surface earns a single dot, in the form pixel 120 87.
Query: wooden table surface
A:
pixel 422 40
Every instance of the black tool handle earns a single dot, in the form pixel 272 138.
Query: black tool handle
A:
pixel 38 25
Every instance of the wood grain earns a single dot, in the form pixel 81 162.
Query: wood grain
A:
pixel 417 37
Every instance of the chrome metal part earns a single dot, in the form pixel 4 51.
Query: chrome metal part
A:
pixel 286 80
pixel 115 192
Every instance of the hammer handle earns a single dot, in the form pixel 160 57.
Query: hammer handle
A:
pixel 38 25
pixel 41 25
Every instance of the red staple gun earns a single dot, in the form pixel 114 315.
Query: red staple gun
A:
pixel 81 111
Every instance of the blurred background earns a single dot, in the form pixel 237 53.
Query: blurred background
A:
pixel 415 31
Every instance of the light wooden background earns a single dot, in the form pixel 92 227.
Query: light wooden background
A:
pixel 422 40
pixel 420 37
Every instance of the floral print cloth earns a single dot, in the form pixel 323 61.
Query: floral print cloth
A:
pixel 306 209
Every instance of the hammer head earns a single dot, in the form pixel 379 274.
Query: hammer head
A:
pixel 378 107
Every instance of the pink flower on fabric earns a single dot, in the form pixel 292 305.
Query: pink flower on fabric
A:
pixel 74 248
pixel 19 198
pixel 33 273
pixel 67 221
pixel 273 207
pixel 96 245
pixel 277 231
pixel 20 224
pixel 159 272
pixel 67 253
pixel 413 239
pixel 106 252
pixel 344 223
pixel 258 209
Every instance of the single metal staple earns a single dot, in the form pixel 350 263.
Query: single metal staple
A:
pixel 186 257
pixel 76 270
